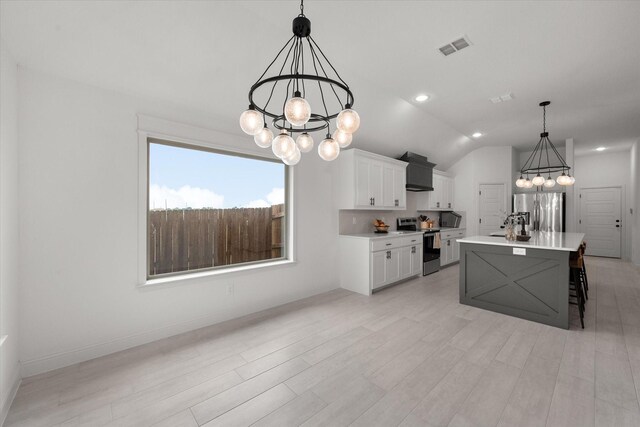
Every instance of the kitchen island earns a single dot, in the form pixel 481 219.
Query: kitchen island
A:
pixel 529 280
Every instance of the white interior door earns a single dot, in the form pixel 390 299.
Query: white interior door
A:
pixel 491 208
pixel 601 221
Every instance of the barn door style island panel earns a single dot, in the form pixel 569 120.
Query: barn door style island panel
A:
pixel 529 280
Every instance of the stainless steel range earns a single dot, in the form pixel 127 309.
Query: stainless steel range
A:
pixel 430 244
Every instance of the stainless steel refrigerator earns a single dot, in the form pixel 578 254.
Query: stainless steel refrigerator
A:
pixel 546 210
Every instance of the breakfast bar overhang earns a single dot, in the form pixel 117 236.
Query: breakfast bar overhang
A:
pixel 529 280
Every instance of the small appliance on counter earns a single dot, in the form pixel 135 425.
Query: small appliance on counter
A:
pixel 430 244
pixel 450 219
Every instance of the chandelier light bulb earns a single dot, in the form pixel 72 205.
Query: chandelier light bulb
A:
pixel 263 138
pixel 342 138
pixel 304 141
pixel 527 183
pixel 283 145
pixel 328 149
pixel 520 182
pixel 251 121
pixel 563 179
pixel 293 158
pixel 348 120
pixel 297 110
pixel 538 180
pixel 550 182
pixel 572 180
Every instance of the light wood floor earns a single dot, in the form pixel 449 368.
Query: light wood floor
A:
pixel 409 355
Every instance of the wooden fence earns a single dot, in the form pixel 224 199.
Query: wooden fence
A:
pixel 191 239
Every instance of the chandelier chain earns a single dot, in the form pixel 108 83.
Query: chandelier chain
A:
pixel 313 60
pixel 280 73
pixel 313 52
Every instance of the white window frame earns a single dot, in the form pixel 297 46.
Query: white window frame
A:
pixel 156 128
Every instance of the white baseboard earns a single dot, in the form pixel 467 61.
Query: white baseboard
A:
pixel 16 380
pixel 71 357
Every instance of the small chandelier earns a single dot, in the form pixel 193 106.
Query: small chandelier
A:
pixel 284 99
pixel 539 162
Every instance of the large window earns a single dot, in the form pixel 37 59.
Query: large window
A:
pixel 211 209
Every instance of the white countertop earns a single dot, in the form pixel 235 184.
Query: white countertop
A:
pixel 373 235
pixel 539 240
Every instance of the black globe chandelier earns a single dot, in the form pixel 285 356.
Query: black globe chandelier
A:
pixel 283 99
pixel 540 164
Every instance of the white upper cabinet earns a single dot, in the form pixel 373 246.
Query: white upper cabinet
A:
pixel 370 181
pixel 441 198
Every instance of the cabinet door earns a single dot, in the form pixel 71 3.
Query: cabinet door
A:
pixel 363 170
pixel 399 187
pixel 405 261
pixel 378 269
pixel 450 193
pixel 455 256
pixel 388 189
pixel 446 201
pixel 435 198
pixel 392 273
pixel 446 252
pixel 416 260
pixel 375 183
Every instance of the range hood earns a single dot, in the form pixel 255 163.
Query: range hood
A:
pixel 419 172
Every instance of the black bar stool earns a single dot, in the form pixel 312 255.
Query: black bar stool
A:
pixel 583 247
pixel 577 282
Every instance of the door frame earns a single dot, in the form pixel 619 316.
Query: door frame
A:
pixel 504 199
pixel 623 215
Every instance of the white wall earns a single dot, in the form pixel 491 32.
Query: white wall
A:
pixel 608 170
pixel 486 165
pixel 634 176
pixel 78 224
pixel 9 365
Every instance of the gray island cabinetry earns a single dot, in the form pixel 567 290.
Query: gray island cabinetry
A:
pixel 529 280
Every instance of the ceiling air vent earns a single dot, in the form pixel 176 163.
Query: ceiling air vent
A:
pixel 455 46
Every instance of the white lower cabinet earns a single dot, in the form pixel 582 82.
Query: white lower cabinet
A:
pixel 370 264
pixel 450 248
pixel 416 260
pixel 405 262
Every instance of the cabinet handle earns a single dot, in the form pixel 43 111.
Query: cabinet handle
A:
pixel 370 201
pixel 437 204
pixel 374 201
pixel 397 202
pixel 388 254
pixel 414 240
pixel 448 242
pixel 449 204
pixel 413 250
pixel 389 244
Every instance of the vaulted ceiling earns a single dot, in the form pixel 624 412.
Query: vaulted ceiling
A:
pixel 583 56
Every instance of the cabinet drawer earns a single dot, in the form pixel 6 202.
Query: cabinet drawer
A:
pixel 411 240
pixel 448 234
pixel 382 244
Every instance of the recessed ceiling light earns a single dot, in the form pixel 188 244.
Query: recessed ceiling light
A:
pixel 421 98
pixel 477 135
pixel 601 148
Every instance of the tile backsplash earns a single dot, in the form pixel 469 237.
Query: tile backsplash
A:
pixel 360 221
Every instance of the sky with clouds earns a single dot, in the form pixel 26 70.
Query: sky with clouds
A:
pixel 181 177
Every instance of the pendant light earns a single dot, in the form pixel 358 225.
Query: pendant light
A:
pixel 540 164
pixel 284 99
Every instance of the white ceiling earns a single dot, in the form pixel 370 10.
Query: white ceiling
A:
pixel 583 56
